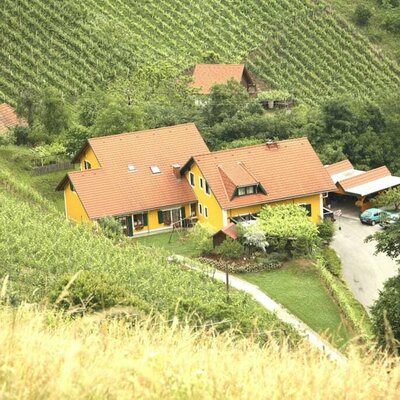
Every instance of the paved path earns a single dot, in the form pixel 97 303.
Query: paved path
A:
pixel 271 305
pixel 363 271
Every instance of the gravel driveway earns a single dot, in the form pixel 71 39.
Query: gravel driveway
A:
pixel 363 271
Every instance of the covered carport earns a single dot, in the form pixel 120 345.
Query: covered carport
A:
pixel 359 187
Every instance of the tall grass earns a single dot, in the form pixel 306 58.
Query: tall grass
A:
pixel 44 355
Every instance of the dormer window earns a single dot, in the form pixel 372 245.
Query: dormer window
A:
pixel 155 169
pixel 87 165
pixel 246 190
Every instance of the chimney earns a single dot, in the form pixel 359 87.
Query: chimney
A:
pixel 176 168
pixel 271 144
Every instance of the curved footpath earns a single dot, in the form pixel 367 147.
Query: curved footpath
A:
pixel 272 306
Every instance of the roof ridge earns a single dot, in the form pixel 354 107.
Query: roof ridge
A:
pixel 143 130
pixel 250 147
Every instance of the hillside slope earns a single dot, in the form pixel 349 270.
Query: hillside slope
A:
pixel 40 252
pixel 298 45
pixel 45 355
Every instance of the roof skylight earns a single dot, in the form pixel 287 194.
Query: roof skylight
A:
pixel 155 169
pixel 131 168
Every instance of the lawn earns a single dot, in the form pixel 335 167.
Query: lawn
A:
pixel 177 243
pixel 17 160
pixel 298 287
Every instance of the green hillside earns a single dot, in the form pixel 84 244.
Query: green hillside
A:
pixel 298 45
pixel 40 252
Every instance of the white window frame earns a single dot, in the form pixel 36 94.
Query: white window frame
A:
pixel 190 179
pixel 307 204
pixel 206 211
pixel 85 165
pixel 200 206
pixel 201 182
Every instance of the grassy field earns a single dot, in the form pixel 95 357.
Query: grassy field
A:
pixel 17 160
pixel 174 243
pixel 44 355
pixel 298 287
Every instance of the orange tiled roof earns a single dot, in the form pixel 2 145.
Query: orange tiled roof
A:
pixel 9 118
pixel 113 190
pixel 289 169
pixel 230 230
pixel 338 167
pixel 207 75
pixel 367 177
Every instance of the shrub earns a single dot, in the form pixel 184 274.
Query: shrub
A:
pixel 392 21
pixel 7 138
pixel 362 15
pixel 254 237
pixel 386 314
pixel 300 247
pixel 94 291
pixel 201 236
pixel 230 248
pixel 21 134
pixel 326 231
pixel 332 262
pixel 110 227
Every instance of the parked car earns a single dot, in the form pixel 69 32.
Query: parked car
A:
pixel 393 219
pixel 374 216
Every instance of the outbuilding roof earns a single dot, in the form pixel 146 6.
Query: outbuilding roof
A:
pixel 207 75
pixel 284 170
pixel 9 118
pixel 128 180
pixel 361 183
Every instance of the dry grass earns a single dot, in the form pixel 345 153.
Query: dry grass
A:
pixel 43 355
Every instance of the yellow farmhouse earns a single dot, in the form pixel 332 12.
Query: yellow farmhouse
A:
pixel 155 179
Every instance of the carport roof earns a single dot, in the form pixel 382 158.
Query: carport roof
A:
pixel 361 183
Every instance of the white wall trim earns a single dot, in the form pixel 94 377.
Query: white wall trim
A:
pixel 224 217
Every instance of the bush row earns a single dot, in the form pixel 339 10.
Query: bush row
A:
pixel 352 309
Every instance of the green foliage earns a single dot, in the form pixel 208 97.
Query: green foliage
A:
pixel 392 21
pixel 53 112
pixel 117 117
pixel 292 44
pixel 332 262
pixel 110 227
pixel 352 309
pixel 225 101
pixel 94 291
pixel 362 15
pixel 201 237
pixel 230 248
pixel 274 95
pixel 326 231
pixel 287 221
pixel 254 238
pixel 39 264
pixel 389 198
pixel 386 314
pixel 388 241
pixel 47 153
pixel 21 134
pixel 75 138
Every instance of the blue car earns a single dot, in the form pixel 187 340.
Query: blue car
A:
pixel 374 216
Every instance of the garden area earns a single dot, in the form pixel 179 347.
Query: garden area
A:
pixel 283 254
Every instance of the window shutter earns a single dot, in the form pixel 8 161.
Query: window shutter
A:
pixel 145 219
pixel 160 217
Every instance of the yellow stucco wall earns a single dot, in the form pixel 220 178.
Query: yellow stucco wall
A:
pixel 73 206
pixel 209 201
pixel 215 213
pixel 314 200
pixel 89 155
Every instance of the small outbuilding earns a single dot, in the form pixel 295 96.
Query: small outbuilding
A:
pixel 206 75
pixel 9 118
pixel 361 185
pixel 227 231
